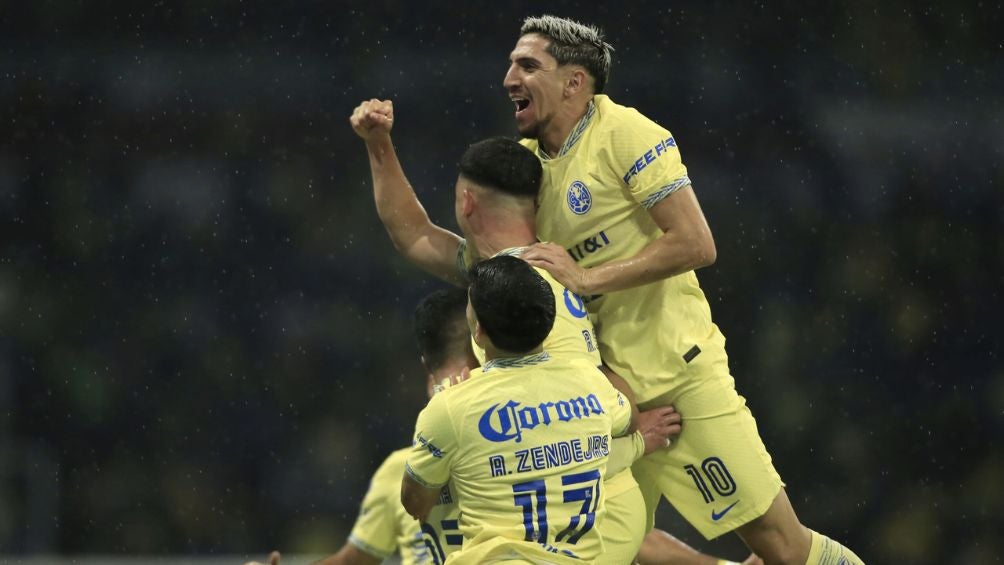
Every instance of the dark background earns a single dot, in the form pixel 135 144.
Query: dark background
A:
pixel 205 334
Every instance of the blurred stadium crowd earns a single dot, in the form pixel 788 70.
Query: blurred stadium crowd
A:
pixel 205 338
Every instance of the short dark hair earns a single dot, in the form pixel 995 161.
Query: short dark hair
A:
pixel 574 43
pixel 513 304
pixel 441 327
pixel 502 164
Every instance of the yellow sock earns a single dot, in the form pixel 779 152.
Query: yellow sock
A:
pixel 825 551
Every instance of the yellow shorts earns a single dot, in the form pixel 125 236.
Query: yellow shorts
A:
pixel 510 552
pixel 717 474
pixel 623 527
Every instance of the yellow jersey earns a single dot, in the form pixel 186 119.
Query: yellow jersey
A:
pixel 383 525
pixel 594 198
pixel 572 337
pixel 572 334
pixel 524 443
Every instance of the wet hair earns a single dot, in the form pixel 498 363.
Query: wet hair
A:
pixel 441 329
pixel 574 43
pixel 502 164
pixel 513 304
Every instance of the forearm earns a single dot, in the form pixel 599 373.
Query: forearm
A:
pixel 686 244
pixel 398 206
pixel 672 254
pixel 413 234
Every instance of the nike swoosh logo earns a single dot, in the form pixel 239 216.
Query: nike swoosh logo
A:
pixel 716 516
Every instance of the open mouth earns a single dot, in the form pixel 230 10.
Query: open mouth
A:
pixel 521 104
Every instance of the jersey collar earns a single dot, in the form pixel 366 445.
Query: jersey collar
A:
pixel 574 137
pixel 512 252
pixel 511 362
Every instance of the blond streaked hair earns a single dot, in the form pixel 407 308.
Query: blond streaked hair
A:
pixel 574 43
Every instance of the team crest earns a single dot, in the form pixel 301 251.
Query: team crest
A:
pixel 579 199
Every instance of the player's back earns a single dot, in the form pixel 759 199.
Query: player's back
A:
pixel 531 441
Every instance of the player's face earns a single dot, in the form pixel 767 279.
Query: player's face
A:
pixel 535 83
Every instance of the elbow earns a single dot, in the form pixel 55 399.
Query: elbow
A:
pixel 401 245
pixel 710 254
pixel 705 253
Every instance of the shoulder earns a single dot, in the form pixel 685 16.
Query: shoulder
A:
pixel 396 458
pixel 587 367
pixel 549 278
pixel 393 464
pixel 581 368
pixel 618 120
pixel 454 397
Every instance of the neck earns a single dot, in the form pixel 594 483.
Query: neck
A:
pixel 561 126
pixel 498 235
pixel 492 352
pixel 453 368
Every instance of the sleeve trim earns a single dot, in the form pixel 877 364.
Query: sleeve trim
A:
pixel 370 549
pixel 411 473
pixel 657 196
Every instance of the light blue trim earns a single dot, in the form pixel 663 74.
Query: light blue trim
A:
pixel 663 192
pixel 510 362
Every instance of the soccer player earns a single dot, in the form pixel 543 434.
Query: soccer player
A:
pixel 495 194
pixel 383 526
pixel 495 208
pixel 524 442
pixel 627 233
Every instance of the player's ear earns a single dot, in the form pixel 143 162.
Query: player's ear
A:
pixel 467 202
pixel 479 335
pixel 576 81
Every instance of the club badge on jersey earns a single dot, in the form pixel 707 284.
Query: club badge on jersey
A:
pixel 579 199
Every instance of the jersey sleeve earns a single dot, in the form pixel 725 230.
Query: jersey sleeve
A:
pixel 620 414
pixel 624 451
pixel 376 529
pixel 646 156
pixel 434 446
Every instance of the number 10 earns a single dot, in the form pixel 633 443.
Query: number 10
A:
pixel 718 476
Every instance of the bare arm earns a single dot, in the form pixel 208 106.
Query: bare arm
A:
pixel 423 243
pixel 685 244
pixel 417 499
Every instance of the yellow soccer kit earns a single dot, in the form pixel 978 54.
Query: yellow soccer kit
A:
pixel 572 334
pixel 524 443
pixel 594 201
pixel 383 526
pixel 573 337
